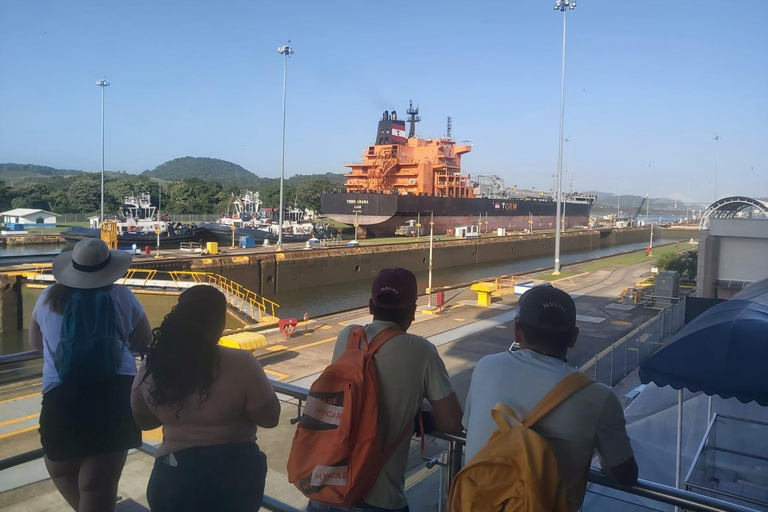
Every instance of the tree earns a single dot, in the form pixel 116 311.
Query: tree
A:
pixel 31 196
pixel 6 196
pixel 84 194
pixel 691 263
pixel 685 264
pixel 270 195
pixel 308 193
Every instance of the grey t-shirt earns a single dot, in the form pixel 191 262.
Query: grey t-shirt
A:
pixel 410 369
pixel 590 419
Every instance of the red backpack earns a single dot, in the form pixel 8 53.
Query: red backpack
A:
pixel 338 450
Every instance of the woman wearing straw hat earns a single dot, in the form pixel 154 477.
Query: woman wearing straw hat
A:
pixel 86 426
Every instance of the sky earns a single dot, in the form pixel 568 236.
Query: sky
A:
pixel 648 85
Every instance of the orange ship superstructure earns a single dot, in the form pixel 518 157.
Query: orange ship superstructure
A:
pixel 412 166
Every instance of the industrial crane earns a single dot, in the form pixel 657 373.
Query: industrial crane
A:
pixel 632 220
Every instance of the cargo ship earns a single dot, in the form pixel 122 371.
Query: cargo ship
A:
pixel 402 177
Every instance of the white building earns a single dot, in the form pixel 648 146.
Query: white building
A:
pixel 30 217
pixel 732 254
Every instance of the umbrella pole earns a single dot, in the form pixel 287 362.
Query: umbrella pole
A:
pixel 709 409
pixel 679 439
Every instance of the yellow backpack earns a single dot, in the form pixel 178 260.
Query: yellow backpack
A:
pixel 516 470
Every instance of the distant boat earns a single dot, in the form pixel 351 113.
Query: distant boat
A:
pixel 137 224
pixel 246 215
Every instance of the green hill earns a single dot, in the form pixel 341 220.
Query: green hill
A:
pixel 14 175
pixel 188 167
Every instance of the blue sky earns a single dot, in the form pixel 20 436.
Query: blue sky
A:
pixel 648 84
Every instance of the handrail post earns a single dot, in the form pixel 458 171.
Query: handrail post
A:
pixel 454 459
pixel 612 360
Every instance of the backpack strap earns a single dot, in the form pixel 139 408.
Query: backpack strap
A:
pixel 357 334
pixel 557 395
pixel 500 412
pixel 380 339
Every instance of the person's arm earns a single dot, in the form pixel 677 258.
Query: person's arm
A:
pixel 447 414
pixel 143 416
pixel 625 473
pixel 35 336
pixel 261 403
pixel 141 336
pixel 613 445
pixel 446 409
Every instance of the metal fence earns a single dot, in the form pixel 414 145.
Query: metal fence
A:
pixel 620 359
pixel 71 218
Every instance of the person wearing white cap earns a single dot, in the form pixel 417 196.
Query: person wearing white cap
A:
pixel 86 425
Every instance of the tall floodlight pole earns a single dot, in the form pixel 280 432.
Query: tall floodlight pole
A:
pixel 618 202
pixel 102 83
pixel 716 138
pixel 286 51
pixel 431 237
pixel 564 6
pixel 648 219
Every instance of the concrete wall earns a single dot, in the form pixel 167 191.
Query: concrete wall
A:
pixel 269 273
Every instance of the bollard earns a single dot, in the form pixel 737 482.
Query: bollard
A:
pixel 440 300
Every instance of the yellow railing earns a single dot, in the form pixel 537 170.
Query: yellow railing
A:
pixel 248 299
pixel 135 273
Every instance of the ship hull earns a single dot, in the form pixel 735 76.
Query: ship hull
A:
pixel 127 240
pixel 381 214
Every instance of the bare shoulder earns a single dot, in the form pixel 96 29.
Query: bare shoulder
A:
pixel 236 358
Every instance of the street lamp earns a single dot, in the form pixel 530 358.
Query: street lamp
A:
pixel 102 83
pixel 716 138
pixel 286 51
pixel 564 6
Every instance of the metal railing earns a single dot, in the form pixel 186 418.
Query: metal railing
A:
pixel 644 489
pixel 332 241
pixel 615 362
pixel 656 492
pixel 238 296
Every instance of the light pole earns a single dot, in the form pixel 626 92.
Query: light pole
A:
pixel 564 6
pixel 716 138
pixel 102 83
pixel 648 219
pixel 286 51
pixel 618 202
pixel 431 237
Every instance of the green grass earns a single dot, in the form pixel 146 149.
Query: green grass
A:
pixel 548 276
pixel 631 258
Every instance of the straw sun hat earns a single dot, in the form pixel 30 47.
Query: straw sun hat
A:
pixel 91 264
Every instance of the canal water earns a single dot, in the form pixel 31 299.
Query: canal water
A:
pixel 28 254
pixel 328 299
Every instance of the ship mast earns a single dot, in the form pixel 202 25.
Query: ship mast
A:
pixel 413 118
pixel 449 131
